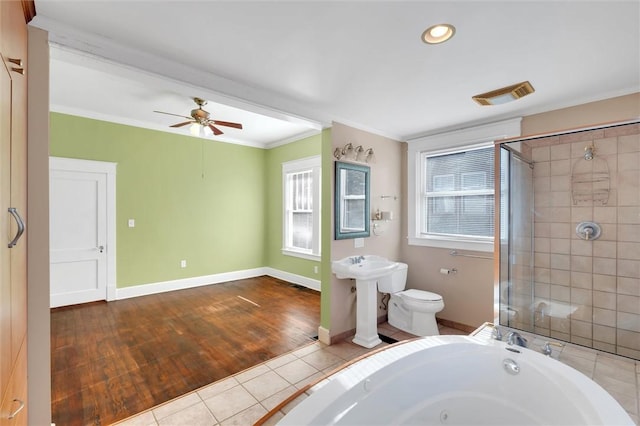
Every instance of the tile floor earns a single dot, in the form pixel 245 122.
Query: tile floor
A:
pixel 244 398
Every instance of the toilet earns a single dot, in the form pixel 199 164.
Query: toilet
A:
pixel 413 311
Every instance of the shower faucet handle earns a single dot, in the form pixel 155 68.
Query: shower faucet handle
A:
pixel 588 231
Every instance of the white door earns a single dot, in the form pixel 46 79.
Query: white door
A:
pixel 79 230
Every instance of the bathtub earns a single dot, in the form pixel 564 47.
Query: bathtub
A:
pixel 458 380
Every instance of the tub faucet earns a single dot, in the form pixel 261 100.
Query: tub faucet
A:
pixel 514 338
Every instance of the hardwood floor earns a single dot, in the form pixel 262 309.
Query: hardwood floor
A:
pixel 112 360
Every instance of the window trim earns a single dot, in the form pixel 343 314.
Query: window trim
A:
pixel 448 143
pixel 314 164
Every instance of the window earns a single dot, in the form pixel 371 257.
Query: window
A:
pixel 301 218
pixel 458 204
pixel 450 186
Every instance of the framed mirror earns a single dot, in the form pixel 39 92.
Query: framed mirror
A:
pixel 351 201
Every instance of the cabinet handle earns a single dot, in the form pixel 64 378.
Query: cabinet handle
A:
pixel 18 70
pixel 17 410
pixel 15 61
pixel 20 223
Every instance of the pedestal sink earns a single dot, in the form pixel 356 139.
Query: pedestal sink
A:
pixel 366 270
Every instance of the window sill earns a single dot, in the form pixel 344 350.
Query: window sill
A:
pixel 301 255
pixel 452 243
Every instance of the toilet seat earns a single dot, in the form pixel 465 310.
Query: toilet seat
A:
pixel 420 296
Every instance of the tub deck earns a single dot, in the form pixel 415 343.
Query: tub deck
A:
pixel 619 376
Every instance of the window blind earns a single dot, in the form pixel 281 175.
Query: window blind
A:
pixel 458 193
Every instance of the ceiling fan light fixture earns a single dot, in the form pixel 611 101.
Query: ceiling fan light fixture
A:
pixel 194 129
pixel 201 122
pixel 504 94
pixel 439 33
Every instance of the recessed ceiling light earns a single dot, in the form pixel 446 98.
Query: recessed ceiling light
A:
pixel 438 33
pixel 505 94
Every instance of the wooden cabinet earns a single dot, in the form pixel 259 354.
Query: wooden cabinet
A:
pixel 13 407
pixel 14 16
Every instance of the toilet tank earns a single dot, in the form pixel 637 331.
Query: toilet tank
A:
pixel 395 281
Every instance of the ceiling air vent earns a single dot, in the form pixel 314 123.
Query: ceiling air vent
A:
pixel 505 94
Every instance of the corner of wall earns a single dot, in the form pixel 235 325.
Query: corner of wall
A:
pixel 38 315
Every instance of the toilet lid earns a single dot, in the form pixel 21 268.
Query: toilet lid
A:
pixel 421 295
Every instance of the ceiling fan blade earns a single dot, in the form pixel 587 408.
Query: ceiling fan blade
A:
pixel 182 124
pixel 215 130
pixel 228 124
pixel 176 115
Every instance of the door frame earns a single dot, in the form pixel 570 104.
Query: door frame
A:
pixel 109 169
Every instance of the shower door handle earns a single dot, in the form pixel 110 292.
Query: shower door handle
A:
pixel 14 212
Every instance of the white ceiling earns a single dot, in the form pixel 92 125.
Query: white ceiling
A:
pixel 285 69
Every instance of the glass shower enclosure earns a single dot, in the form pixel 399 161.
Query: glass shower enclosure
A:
pixel 569 236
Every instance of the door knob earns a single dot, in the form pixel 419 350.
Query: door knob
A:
pixel 101 248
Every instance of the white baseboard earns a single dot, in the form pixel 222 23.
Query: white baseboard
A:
pixel 293 278
pixel 323 335
pixel 181 284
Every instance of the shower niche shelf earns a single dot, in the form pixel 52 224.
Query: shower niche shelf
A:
pixel 590 181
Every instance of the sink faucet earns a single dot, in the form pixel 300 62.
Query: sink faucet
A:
pixel 514 338
pixel 358 259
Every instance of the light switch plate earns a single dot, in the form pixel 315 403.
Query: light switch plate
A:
pixel 132 223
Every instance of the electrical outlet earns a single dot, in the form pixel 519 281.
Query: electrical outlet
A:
pixel 183 263
pixel 315 269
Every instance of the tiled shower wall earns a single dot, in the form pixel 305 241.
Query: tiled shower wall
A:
pixel 588 292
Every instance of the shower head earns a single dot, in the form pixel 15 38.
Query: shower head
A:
pixel 589 152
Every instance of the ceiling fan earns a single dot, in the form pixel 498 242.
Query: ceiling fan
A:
pixel 200 116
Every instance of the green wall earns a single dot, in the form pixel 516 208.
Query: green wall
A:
pixel 303 148
pixel 217 205
pixel 194 199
